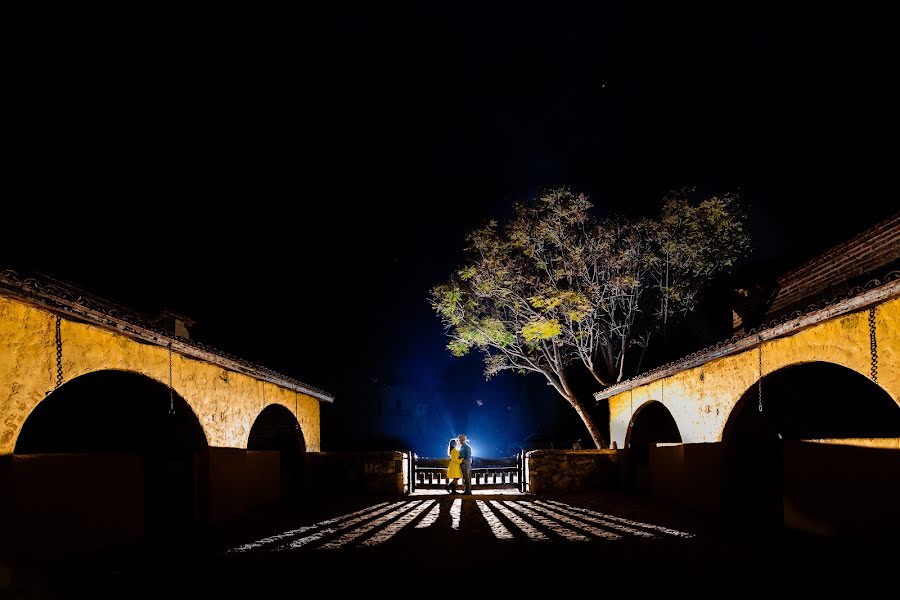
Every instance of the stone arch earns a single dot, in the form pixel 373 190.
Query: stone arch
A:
pixel 47 411
pixel 821 385
pixel 807 401
pixel 276 429
pixel 844 341
pixel 179 397
pixel 651 423
pixel 116 429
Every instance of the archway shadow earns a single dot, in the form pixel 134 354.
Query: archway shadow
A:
pixel 812 401
pixel 651 424
pixel 118 452
pixel 276 429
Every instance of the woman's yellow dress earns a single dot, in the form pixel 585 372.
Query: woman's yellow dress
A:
pixel 454 470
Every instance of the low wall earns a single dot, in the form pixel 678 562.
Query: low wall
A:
pixel 376 473
pixel 845 488
pixel 58 504
pixel 237 481
pixel 834 487
pixel 264 477
pixel 557 471
pixel 689 474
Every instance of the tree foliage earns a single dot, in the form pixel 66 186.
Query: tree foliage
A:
pixel 555 286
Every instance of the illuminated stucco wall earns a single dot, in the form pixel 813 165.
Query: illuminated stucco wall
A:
pixel 701 398
pixel 226 403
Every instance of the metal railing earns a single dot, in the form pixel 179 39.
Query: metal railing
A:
pixel 487 473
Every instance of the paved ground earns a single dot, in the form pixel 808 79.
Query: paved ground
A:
pixel 487 544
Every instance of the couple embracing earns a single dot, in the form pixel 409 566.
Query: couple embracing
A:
pixel 460 465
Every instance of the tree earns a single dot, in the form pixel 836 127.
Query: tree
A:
pixel 554 286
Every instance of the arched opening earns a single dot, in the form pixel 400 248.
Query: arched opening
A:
pixel 652 424
pixel 113 440
pixel 770 474
pixel 276 429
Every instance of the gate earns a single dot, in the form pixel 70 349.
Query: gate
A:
pixel 487 473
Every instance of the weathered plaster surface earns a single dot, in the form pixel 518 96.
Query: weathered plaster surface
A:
pixel 701 398
pixel 226 403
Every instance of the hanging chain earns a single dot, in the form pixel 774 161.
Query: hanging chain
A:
pixel 59 371
pixel 759 384
pixel 171 392
pixel 873 345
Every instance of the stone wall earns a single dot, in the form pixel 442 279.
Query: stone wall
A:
pixel 376 473
pixel 701 398
pixel 556 471
pixel 56 505
pixel 848 487
pixel 237 481
pixel 843 487
pixel 225 403
pixel 688 474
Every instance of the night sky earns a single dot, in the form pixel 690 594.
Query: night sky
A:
pixel 295 178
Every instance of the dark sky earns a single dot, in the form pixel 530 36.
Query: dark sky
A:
pixel 296 177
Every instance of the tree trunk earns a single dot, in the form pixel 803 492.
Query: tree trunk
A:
pixel 561 385
pixel 596 436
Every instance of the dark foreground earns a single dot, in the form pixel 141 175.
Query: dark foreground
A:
pixel 487 544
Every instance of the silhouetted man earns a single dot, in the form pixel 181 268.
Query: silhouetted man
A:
pixel 465 455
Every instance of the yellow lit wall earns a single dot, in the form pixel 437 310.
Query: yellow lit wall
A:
pixel 701 398
pixel 226 403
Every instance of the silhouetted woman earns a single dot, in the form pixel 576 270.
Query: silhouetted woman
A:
pixel 454 471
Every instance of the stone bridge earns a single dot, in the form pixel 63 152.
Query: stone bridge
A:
pixel 797 418
pixel 102 416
